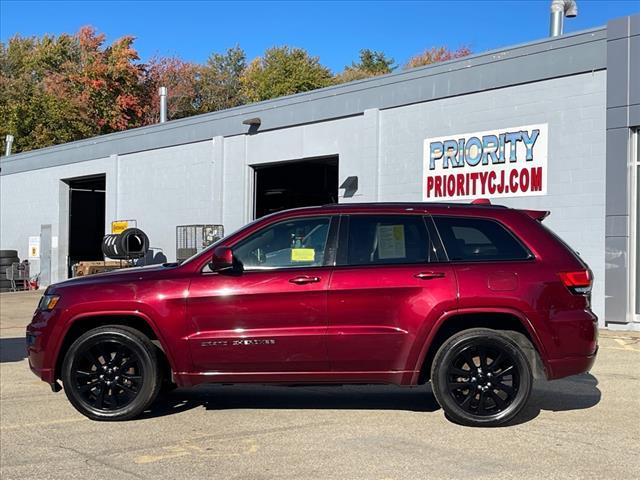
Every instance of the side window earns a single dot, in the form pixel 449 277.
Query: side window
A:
pixel 293 243
pixel 387 239
pixel 470 239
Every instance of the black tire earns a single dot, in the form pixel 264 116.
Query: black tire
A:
pixel 8 253
pixel 466 392
pixel 95 362
pixel 132 243
pixel 7 261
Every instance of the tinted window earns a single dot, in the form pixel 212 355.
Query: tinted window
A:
pixel 389 239
pixel 294 243
pixel 477 239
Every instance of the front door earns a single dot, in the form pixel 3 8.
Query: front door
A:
pixel 270 315
pixel 388 287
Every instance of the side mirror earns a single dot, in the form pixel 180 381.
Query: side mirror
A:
pixel 222 259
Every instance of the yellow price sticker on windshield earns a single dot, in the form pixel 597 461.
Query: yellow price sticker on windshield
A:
pixel 303 254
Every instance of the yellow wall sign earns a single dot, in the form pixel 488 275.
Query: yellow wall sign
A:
pixel 34 247
pixel 303 255
pixel 119 226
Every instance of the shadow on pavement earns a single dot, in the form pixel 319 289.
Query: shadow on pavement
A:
pixel 578 392
pixel 224 397
pixel 12 349
pixel 572 393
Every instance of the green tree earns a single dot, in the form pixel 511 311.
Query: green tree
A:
pixel 436 54
pixel 219 84
pixel 371 64
pixel 283 71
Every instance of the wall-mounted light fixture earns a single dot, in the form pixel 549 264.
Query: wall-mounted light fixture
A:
pixel 350 186
pixel 254 124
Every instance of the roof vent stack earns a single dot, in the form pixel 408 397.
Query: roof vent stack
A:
pixel 9 145
pixel 163 104
pixel 559 10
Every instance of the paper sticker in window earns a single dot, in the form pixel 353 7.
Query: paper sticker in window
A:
pixel 303 255
pixel 391 242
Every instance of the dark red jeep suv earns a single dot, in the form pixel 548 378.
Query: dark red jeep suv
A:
pixel 478 299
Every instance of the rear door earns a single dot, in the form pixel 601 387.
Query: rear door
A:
pixel 387 288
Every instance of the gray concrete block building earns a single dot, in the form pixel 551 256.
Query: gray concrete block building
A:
pixel 551 125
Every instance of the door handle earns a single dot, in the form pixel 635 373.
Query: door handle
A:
pixel 304 280
pixel 429 275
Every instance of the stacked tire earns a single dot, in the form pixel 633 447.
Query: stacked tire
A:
pixel 131 243
pixel 7 258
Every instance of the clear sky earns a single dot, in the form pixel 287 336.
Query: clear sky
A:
pixel 334 31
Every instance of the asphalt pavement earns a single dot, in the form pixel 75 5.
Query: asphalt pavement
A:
pixel 582 427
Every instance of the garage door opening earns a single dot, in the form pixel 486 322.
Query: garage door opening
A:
pixel 301 183
pixel 86 218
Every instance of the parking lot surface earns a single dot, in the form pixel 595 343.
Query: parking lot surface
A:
pixel 587 426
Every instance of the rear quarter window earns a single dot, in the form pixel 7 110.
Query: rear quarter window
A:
pixel 476 239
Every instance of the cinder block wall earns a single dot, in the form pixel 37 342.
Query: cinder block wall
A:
pixel 574 109
pixel 211 181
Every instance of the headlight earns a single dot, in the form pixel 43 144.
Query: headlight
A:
pixel 48 302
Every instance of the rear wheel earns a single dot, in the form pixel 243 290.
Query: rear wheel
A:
pixel 111 373
pixel 481 377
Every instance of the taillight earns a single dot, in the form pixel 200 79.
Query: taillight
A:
pixel 578 282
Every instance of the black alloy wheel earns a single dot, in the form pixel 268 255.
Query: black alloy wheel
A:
pixel 111 373
pixel 481 377
pixel 107 375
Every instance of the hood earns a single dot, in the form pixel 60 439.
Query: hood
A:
pixel 121 274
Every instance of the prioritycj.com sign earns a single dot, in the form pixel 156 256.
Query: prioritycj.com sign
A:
pixel 510 162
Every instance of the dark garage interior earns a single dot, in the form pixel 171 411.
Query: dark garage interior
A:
pixel 86 218
pixel 296 184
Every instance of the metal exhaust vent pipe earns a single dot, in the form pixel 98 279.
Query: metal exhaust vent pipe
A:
pixel 163 104
pixel 559 10
pixel 9 145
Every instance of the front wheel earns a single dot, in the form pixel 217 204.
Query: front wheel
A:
pixel 481 377
pixel 111 373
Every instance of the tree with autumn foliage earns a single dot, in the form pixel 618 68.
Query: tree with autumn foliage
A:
pixel 107 81
pixel 435 55
pixel 182 80
pixel 58 89
pixel 35 105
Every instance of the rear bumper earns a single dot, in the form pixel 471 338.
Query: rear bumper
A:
pixel 564 367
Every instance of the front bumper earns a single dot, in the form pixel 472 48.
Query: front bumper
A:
pixel 40 340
